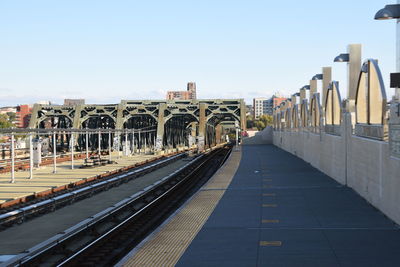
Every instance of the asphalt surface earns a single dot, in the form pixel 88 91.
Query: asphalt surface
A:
pixel 280 211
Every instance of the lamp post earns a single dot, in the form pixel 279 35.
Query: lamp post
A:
pixel 313 83
pixel 393 12
pixel 303 92
pixel 326 77
pixel 353 60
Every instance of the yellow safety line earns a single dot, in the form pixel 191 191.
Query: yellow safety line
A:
pixel 269 194
pixel 269 205
pixel 270 243
pixel 270 221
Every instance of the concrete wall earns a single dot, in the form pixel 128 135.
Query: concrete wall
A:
pixel 363 164
pixel 261 137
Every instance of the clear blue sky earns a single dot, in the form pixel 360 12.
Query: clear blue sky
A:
pixel 106 51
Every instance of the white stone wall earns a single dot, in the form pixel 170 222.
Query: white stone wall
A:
pixel 361 163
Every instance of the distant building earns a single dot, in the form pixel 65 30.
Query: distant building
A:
pixel 23 116
pixel 249 110
pixel 190 93
pixel 259 106
pixel 275 101
pixel 265 106
pixel 74 102
pixel 43 102
pixel 4 110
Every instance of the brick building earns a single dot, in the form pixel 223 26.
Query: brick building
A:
pixel 277 100
pixel 190 93
pixel 23 116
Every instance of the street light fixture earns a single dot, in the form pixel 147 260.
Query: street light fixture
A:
pixel 393 12
pixel 388 12
pixel 303 92
pixel 318 76
pixel 345 57
pixel 353 60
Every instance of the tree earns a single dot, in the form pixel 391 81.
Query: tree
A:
pixel 263 121
pixel 11 116
pixel 249 122
pixel 260 125
pixel 267 119
pixel 5 121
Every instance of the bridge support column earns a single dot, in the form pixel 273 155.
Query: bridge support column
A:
pixel 202 127
pixel 243 115
pixel 192 135
pixel 120 120
pixel 218 131
pixel 119 125
pixel 33 122
pixel 76 123
pixel 160 127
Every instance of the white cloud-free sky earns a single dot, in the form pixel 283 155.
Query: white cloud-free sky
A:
pixel 105 51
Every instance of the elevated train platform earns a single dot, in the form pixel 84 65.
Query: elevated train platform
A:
pixel 45 179
pixel 266 207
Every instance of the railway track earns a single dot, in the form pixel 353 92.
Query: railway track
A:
pixel 36 207
pixel 106 237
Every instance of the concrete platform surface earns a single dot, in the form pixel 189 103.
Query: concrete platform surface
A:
pixel 280 211
pixel 44 178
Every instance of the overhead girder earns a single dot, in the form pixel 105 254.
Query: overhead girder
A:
pixel 57 121
pixel 176 132
pixel 140 110
pixel 163 122
pixel 63 114
pixel 222 117
pixel 145 134
pixel 100 120
pixel 105 116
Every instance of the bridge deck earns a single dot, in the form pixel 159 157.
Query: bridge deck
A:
pixel 44 178
pixel 277 211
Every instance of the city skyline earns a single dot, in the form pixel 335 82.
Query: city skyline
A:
pixel 52 51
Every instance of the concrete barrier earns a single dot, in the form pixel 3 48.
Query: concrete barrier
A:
pixel 262 137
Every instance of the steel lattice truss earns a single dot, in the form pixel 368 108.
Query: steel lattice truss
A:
pixel 158 123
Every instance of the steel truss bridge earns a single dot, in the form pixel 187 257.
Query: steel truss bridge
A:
pixel 158 124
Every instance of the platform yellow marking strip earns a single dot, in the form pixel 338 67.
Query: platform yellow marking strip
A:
pixel 166 246
pixel 270 243
pixel 269 205
pixel 270 221
pixel 269 195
